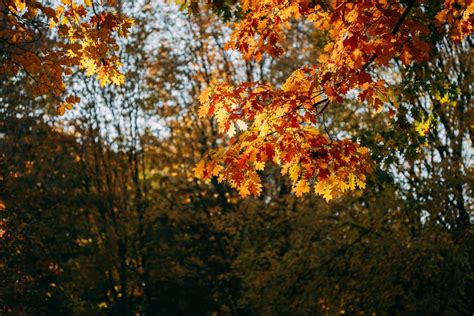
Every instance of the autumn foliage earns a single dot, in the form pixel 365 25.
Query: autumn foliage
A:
pixel 85 38
pixel 279 124
pixel 234 157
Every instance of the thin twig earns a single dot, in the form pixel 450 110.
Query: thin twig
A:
pixel 326 129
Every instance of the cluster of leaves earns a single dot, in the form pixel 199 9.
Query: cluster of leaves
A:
pixel 277 123
pixel 276 136
pixel 457 14
pixel 85 38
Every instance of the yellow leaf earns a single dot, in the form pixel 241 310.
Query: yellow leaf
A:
pixel 61 109
pixel 352 182
pixel 294 172
pixel 342 186
pixel 423 127
pixel 216 170
pixel 244 190
pixel 261 122
pixel 204 96
pixel 325 189
pixel 296 80
pixel 255 188
pixel 231 131
pixel 363 150
pixel 103 77
pixel 88 3
pixel 203 110
pixel 265 129
pixel 361 182
pixel 64 20
pixel 221 117
pixel 301 187
pixel 89 65
pixel 52 24
pixel 117 79
pixel 20 5
pixel 259 165
pixel 199 169
pixel 242 125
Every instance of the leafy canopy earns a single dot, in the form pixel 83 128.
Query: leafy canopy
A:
pixel 85 34
pixel 268 124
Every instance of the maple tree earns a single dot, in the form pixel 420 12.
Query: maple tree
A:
pixel 83 37
pixel 278 124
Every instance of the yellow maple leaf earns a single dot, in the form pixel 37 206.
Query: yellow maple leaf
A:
pixel 324 188
pixel 221 115
pixel 203 110
pixel 295 80
pixel 341 186
pixel 89 65
pixel 361 181
pixel 264 129
pixel 117 79
pixel 352 182
pixel 259 165
pixel 301 187
pixel 294 172
pixel 262 125
pixel 244 190
pixel 103 77
pixel 216 170
pixel 204 96
pixel 231 131
pixel 423 127
pixel 242 125
pixel 255 188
